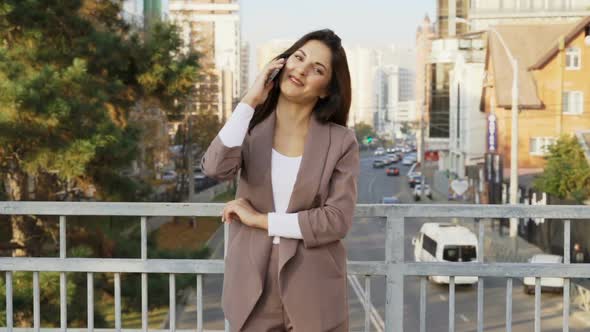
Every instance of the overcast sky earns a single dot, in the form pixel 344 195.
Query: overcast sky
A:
pixel 366 23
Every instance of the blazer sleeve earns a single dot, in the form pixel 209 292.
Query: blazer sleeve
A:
pixel 332 221
pixel 223 157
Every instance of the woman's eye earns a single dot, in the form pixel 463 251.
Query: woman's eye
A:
pixel 319 71
pixel 298 57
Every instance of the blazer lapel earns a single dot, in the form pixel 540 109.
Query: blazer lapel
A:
pixel 305 189
pixel 307 182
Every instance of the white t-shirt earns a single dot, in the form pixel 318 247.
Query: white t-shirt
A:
pixel 280 223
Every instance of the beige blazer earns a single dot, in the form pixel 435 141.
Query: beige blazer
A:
pixel 312 271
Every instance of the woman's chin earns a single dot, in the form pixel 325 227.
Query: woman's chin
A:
pixel 290 92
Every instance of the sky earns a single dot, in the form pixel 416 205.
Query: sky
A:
pixel 368 23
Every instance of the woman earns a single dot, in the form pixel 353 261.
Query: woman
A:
pixel 285 266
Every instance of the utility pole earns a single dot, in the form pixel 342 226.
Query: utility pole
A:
pixel 191 176
pixel 422 136
pixel 514 133
pixel 514 147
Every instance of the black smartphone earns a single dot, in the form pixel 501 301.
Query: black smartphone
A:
pixel 273 75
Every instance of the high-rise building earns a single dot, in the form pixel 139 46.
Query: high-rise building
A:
pixel 486 13
pixel 212 27
pixel 245 70
pixel 424 36
pixel 362 63
pixel 394 100
pixel 141 13
pixel 447 12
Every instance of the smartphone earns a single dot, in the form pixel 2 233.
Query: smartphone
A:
pixel 273 75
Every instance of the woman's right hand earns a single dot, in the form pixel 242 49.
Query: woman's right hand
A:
pixel 258 93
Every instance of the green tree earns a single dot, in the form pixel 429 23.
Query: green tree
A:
pixel 567 174
pixel 363 130
pixel 70 71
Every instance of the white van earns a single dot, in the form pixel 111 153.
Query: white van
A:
pixel 446 242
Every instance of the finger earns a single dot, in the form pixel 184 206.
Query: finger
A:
pixel 226 211
pixel 227 215
pixel 235 217
pixel 273 66
pixel 276 61
pixel 223 214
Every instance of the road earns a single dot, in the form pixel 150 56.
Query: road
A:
pixel 366 242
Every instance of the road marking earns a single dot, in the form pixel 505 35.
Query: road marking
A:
pixel 465 319
pixel 374 314
pixel 371 183
pixel 442 297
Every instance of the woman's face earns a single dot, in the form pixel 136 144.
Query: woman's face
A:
pixel 307 73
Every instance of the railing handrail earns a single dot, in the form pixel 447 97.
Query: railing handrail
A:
pixel 362 210
pixel 394 267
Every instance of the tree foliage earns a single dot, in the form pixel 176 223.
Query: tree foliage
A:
pixel 567 173
pixel 69 73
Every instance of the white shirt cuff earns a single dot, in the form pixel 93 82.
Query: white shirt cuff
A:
pixel 234 130
pixel 284 225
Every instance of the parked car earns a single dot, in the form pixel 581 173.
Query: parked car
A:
pixel 378 163
pixel 392 171
pixel 418 189
pixel 446 242
pixel 548 283
pixel 169 176
pixel 390 200
pixel 379 151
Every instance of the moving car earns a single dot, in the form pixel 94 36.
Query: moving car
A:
pixel 392 171
pixel 379 151
pixel 378 163
pixel 549 283
pixel 446 242
pixel 394 157
pixel 169 176
pixel 408 161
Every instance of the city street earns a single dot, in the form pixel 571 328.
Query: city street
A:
pixel 366 242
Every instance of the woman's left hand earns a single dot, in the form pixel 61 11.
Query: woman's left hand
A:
pixel 242 211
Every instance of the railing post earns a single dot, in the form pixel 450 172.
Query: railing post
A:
pixel 394 258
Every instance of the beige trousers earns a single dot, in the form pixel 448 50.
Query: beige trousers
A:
pixel 268 314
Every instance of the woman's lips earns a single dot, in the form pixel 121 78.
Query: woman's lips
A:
pixel 295 81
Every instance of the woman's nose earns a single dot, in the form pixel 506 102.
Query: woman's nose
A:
pixel 301 70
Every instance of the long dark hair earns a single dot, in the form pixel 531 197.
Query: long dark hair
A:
pixel 335 107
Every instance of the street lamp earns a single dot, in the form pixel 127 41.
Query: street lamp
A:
pixel 514 129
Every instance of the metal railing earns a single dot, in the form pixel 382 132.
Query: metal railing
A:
pixel 394 268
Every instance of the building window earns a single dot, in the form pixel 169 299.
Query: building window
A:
pixel 573 102
pixel 539 146
pixel 572 58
